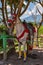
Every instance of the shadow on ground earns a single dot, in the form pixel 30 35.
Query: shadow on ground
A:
pixel 35 59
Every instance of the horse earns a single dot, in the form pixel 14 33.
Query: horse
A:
pixel 22 34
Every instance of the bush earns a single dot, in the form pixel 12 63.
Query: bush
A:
pixel 40 30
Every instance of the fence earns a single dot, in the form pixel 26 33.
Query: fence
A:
pixel 40 41
pixel 5 48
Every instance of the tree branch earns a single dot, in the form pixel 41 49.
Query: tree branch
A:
pixel 38 10
pixel 41 22
pixel 20 7
pixel 40 3
pixel 3 12
pixel 6 11
pixel 25 8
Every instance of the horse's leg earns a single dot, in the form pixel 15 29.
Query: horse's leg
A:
pixel 24 44
pixel 19 50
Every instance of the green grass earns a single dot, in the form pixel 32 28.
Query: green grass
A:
pixel 40 30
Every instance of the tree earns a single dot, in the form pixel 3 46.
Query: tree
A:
pixel 38 26
pixel 35 16
pixel 18 5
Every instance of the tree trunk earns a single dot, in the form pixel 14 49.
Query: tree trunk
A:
pixel 3 12
pixel 37 38
pixel 20 7
pixel 6 11
pixel 40 22
pixel 11 5
pixel 25 8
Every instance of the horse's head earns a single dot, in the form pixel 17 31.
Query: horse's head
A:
pixel 9 22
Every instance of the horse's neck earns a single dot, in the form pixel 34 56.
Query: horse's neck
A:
pixel 18 21
pixel 19 25
pixel 19 28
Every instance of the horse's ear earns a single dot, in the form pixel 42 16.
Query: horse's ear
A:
pixel 14 16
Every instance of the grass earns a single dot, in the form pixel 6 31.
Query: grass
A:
pixel 40 30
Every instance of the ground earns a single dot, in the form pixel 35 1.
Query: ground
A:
pixel 13 59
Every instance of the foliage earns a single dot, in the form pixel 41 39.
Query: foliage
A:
pixel 40 30
pixel 2 27
pixel 10 2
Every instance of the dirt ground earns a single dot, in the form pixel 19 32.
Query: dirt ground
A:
pixel 36 59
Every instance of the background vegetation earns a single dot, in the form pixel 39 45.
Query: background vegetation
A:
pixel 41 30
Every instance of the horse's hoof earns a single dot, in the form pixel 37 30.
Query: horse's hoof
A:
pixel 19 57
pixel 24 59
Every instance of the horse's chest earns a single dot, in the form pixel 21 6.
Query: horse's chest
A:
pixel 19 28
